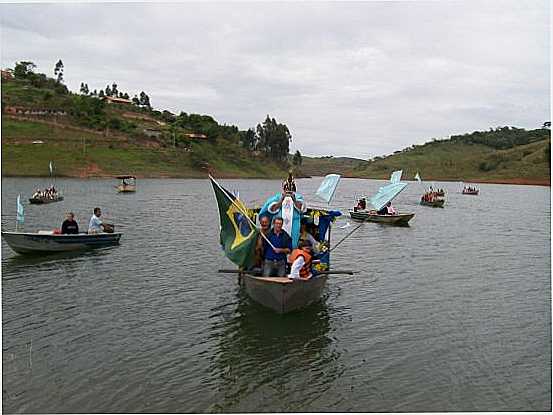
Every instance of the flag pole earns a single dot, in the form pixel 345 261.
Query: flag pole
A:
pixel 241 211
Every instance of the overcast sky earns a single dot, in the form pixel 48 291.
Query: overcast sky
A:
pixel 353 79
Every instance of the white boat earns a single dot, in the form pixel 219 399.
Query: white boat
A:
pixel 48 242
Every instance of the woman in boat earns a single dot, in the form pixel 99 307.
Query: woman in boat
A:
pixel 300 260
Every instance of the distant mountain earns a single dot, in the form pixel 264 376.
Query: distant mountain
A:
pixel 502 155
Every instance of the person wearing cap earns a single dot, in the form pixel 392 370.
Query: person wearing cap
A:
pixel 301 259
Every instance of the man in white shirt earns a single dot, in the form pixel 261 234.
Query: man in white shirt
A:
pixel 95 225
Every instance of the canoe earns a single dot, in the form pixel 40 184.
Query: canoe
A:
pixel 47 242
pixel 471 192
pixel 401 219
pixel 435 203
pixel 44 200
pixel 282 294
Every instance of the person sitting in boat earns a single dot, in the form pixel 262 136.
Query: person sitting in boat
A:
pixel 95 225
pixel 69 225
pixel 274 257
pixel 300 260
pixel 265 227
pixel 36 194
pixel 388 210
pixel 361 205
pixel 306 236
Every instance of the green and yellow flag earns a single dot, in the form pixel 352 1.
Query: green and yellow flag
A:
pixel 238 234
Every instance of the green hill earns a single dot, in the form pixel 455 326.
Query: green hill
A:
pixel 321 166
pixel 503 155
pixel 87 136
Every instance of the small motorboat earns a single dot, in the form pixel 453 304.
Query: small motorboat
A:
pixel 128 184
pixel 433 203
pixel 50 242
pixel 372 216
pixel 42 200
pixel 470 191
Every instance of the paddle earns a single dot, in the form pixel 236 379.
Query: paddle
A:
pixel 345 237
pixel 331 272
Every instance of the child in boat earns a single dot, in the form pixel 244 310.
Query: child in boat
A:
pixel 301 260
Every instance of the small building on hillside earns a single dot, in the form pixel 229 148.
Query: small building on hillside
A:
pixel 152 133
pixel 7 74
pixel 196 136
pixel 117 100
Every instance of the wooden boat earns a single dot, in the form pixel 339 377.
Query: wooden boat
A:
pixel 435 203
pixel 44 200
pixel 126 187
pixel 372 216
pixel 48 242
pixel 471 192
pixel 282 294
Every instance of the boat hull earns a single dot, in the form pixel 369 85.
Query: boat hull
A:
pixel 44 200
pixel 36 243
pixel 470 193
pixel 401 219
pixel 126 189
pixel 437 203
pixel 284 295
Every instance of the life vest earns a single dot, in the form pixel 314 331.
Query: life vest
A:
pixel 305 271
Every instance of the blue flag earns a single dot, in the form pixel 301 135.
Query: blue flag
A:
pixel 386 193
pixel 396 176
pixel 20 212
pixel 328 187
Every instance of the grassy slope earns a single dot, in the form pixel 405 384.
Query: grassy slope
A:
pixel 321 166
pixel 461 161
pixel 111 154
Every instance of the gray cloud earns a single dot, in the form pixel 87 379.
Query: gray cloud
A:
pixel 357 79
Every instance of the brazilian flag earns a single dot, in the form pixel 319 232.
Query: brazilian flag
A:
pixel 238 235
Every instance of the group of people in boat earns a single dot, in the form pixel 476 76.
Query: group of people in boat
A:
pixel 387 209
pixel 48 193
pixel 431 195
pixel 275 255
pixel 95 225
pixel 470 189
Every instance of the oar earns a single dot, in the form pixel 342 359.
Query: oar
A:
pixel 345 237
pixel 330 272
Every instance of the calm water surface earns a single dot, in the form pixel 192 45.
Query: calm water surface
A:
pixel 450 314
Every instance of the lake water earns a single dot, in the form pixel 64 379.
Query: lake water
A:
pixel 450 314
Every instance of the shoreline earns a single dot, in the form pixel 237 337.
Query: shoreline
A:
pixel 516 181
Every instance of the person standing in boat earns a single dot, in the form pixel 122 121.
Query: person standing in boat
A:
pixel 274 257
pixel 95 225
pixel 69 225
pixel 300 260
pixel 265 227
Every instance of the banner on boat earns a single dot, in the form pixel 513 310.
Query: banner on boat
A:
pixel 328 187
pixel 238 234
pixel 20 212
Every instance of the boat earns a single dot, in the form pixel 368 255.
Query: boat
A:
pixel 433 203
pixel 384 195
pixel 49 195
pixel 128 184
pixel 372 216
pixel 471 191
pixel 280 294
pixel 43 242
pixel 42 200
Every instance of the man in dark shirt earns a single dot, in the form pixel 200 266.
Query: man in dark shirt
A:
pixel 274 264
pixel 69 225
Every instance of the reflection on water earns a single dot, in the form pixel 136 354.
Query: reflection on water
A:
pixel 450 314
pixel 263 358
